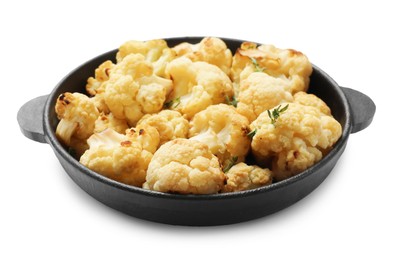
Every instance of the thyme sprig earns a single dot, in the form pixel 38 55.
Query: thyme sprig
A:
pixel 232 161
pixel 231 102
pixel 275 114
pixel 258 68
pixel 172 103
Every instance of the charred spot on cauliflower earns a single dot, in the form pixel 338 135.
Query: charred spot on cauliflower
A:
pixel 184 166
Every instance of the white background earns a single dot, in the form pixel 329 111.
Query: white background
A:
pixel 44 215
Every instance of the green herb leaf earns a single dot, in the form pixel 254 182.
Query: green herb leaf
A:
pixel 252 133
pixel 172 103
pixel 232 102
pixel 258 68
pixel 232 162
pixel 275 114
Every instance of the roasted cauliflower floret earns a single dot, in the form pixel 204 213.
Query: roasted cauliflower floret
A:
pixel 117 157
pixel 105 121
pixel 133 91
pixel 196 86
pixel 184 166
pixel 154 51
pixel 146 135
pixel 223 130
pixel 210 49
pixel 77 114
pixel 169 123
pixel 246 177
pixel 260 92
pixel 312 100
pixel 102 74
pixel 280 63
pixel 295 140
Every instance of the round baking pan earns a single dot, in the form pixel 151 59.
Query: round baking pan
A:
pixel 37 120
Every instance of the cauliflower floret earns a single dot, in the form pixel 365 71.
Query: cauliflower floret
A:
pixel 184 166
pixel 154 51
pixel 210 49
pixel 105 121
pixel 280 63
pixel 295 140
pixel 117 157
pixel 146 135
pixel 260 92
pixel 169 123
pixel 312 100
pixel 196 86
pixel 77 114
pixel 102 74
pixel 246 177
pixel 223 130
pixel 133 90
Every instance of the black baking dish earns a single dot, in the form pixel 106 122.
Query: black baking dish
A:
pixel 38 121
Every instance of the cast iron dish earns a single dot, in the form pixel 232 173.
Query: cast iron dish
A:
pixel 38 121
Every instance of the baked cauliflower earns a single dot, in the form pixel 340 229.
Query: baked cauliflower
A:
pixel 117 157
pixel 196 85
pixel 260 92
pixel 133 91
pixel 102 74
pixel 146 135
pixel 77 114
pixel 210 49
pixel 154 51
pixel 184 166
pixel 223 130
pixel 105 121
pixel 293 138
pixel 246 177
pixel 312 100
pixel 169 123
pixel 287 64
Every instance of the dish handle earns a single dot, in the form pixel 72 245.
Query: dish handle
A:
pixel 362 109
pixel 30 119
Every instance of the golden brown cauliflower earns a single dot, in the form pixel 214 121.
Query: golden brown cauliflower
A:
pixel 117 157
pixel 210 49
pixel 223 130
pixel 146 135
pixel 133 91
pixel 77 114
pixel 280 63
pixel 197 85
pixel 246 177
pixel 155 52
pixel 184 166
pixel 260 92
pixel 169 123
pixel 295 140
pixel 102 74
pixel 105 121
pixel 312 100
